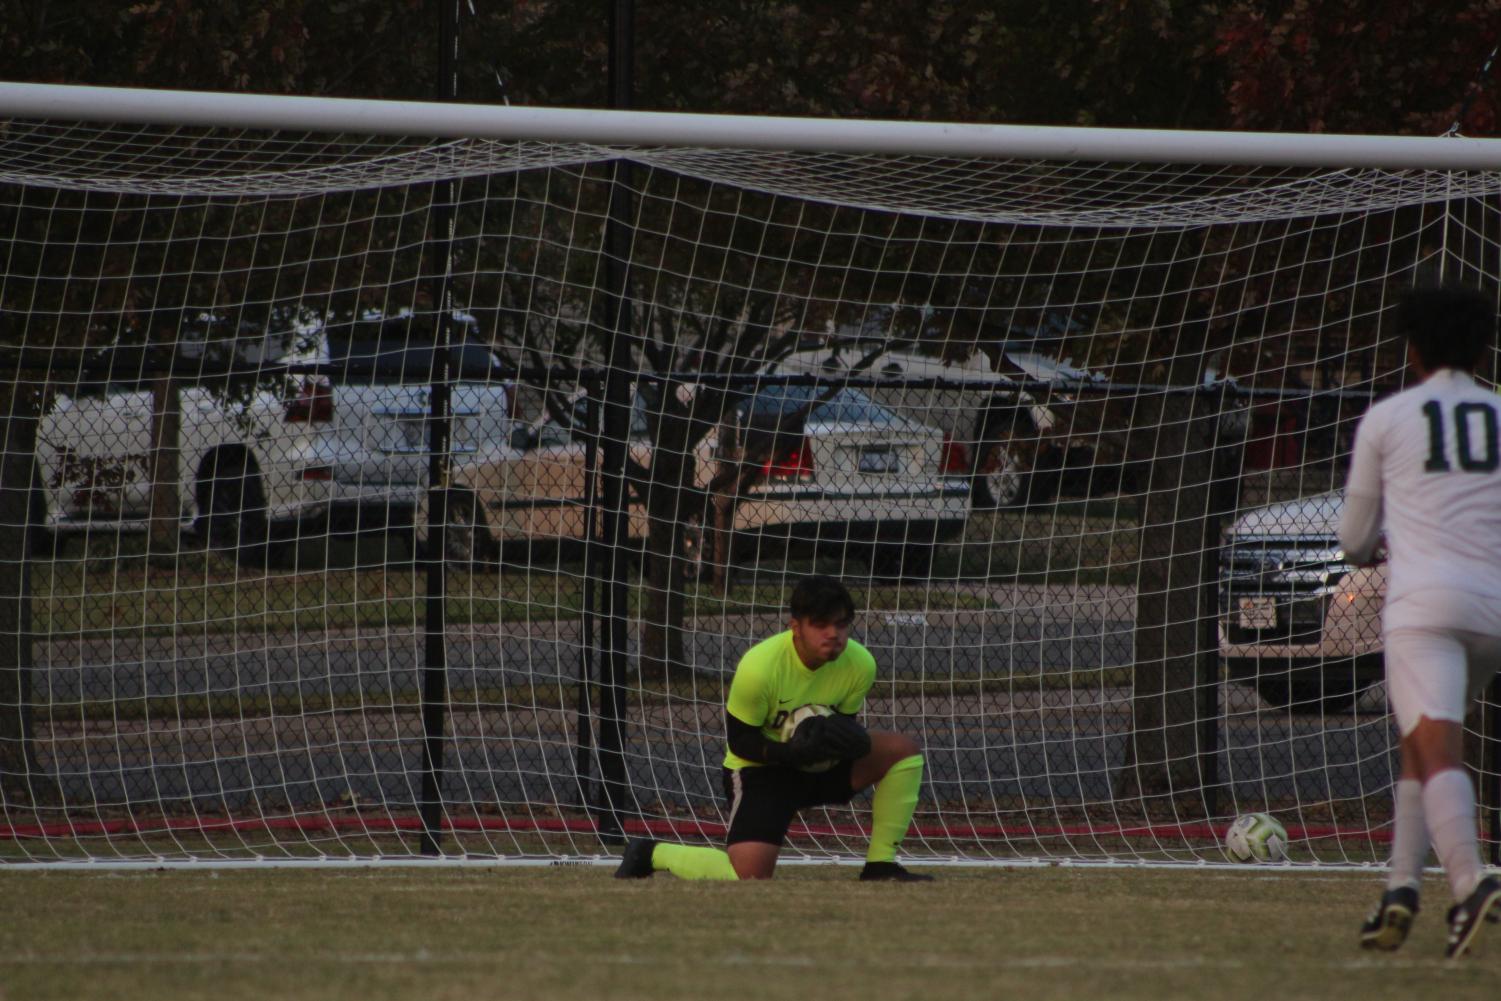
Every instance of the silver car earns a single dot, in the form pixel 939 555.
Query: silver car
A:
pixel 850 472
pixel 1297 620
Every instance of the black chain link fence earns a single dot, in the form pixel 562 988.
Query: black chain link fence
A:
pixel 252 681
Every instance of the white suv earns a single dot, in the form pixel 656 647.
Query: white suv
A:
pixel 348 437
pixel 1297 620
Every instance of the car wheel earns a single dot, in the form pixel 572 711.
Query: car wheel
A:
pixel 999 479
pixel 466 537
pixel 1274 691
pixel 233 503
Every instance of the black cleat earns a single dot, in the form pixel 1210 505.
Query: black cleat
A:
pixel 1465 918
pixel 892 871
pixel 1387 927
pixel 635 861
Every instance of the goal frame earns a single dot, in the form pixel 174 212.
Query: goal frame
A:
pixel 659 128
pixel 618 132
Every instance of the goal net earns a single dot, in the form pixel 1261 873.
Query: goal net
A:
pixel 380 484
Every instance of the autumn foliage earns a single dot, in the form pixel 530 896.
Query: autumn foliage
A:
pixel 1377 66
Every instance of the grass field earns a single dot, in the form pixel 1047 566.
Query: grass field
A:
pixel 101 585
pixel 82 601
pixel 814 933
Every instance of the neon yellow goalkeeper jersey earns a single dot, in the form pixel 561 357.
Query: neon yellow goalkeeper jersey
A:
pixel 770 681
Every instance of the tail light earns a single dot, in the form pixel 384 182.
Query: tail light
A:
pixel 313 404
pixel 795 463
pixel 953 460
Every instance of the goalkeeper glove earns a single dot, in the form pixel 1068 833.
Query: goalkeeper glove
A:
pixel 845 737
pixel 822 738
pixel 809 745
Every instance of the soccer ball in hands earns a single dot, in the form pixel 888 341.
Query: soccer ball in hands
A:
pixel 795 719
pixel 1256 837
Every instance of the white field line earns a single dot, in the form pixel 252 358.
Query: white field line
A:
pixel 782 959
pixel 482 862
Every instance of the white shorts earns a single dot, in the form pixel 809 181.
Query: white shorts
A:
pixel 1437 672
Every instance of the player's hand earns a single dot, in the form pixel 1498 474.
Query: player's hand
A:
pixel 845 738
pixel 809 744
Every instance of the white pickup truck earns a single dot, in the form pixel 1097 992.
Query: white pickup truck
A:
pixel 1297 620
pixel 349 438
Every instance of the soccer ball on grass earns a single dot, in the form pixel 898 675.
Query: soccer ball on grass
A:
pixel 1256 837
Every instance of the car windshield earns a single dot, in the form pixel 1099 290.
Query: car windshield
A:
pixel 397 354
pixel 846 406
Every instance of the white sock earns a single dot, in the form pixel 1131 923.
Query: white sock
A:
pixel 1449 809
pixel 1409 837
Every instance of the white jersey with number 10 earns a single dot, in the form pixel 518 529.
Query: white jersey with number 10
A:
pixel 1432 455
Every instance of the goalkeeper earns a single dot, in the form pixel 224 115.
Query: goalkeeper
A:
pixel 768 780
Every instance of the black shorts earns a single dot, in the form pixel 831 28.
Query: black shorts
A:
pixel 764 799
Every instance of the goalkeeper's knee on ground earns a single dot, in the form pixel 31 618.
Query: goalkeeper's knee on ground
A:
pixel 692 861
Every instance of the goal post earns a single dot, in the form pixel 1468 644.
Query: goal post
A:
pixel 1068 409
pixel 627 129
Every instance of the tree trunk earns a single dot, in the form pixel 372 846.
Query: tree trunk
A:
pixel 719 512
pixel 720 538
pixel 166 487
pixel 1179 531
pixel 664 605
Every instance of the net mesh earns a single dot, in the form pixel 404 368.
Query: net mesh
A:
pixel 1073 434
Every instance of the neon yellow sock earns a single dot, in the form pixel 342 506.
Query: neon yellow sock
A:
pixel 891 810
pixel 692 861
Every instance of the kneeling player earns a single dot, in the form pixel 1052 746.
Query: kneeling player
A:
pixel 768 780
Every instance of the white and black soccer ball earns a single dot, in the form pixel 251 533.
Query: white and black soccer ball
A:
pixel 1256 837
pixel 794 719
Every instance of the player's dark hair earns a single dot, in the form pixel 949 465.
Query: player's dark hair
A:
pixel 821 599
pixel 1449 326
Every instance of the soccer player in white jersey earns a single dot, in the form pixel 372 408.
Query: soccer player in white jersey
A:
pixel 1427 466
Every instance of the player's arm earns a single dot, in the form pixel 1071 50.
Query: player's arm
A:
pixel 837 736
pixel 1360 529
pixel 1360 523
pixel 746 709
pixel 747 741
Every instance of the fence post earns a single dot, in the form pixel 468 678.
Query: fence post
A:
pixel 614 450
pixel 615 500
pixel 584 754
pixel 440 436
pixel 1223 495
pixel 20 778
